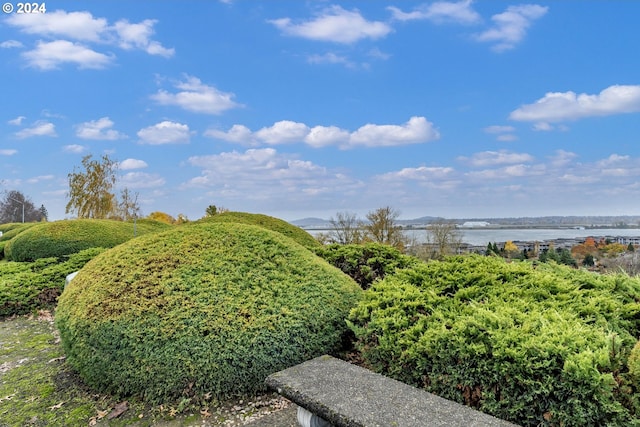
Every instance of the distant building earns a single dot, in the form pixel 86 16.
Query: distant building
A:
pixel 474 224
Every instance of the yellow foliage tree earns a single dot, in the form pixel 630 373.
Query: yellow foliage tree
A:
pixel 161 217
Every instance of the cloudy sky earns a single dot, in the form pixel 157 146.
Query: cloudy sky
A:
pixel 456 109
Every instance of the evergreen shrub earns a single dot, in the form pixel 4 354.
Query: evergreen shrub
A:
pixel 268 222
pixel 538 345
pixel 365 263
pixel 202 308
pixel 28 286
pixel 59 238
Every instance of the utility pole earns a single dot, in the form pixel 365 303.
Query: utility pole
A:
pixel 22 203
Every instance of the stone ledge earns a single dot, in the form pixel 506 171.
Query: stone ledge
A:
pixel 347 395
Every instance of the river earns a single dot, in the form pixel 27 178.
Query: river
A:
pixel 482 236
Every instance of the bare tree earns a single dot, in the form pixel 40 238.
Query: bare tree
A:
pixel 443 238
pixel 346 228
pixel 16 207
pixel 382 227
pixel 127 206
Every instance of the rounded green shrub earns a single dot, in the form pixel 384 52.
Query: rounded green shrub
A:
pixel 204 308
pixel 367 262
pixel 59 238
pixel 268 222
pixel 534 344
pixel 9 231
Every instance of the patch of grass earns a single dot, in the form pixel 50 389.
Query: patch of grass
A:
pixel 38 388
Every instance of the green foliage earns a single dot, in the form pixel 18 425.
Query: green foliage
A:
pixel 534 344
pixel 365 263
pixel 29 286
pixel 11 230
pixel 202 308
pixel 268 222
pixel 59 238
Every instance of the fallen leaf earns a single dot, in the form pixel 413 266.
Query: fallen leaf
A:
pixel 93 421
pixel 102 414
pixel 120 409
pixel 58 406
pixel 205 413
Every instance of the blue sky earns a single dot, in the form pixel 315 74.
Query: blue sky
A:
pixel 457 109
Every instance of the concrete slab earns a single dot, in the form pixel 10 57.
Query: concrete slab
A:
pixel 350 396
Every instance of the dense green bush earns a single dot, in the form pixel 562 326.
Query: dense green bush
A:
pixel 534 344
pixel 203 308
pixel 268 222
pixel 11 230
pixel 29 286
pixel 367 262
pixel 59 238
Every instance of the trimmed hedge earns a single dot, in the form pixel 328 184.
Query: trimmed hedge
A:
pixel 203 308
pixel 11 230
pixel 268 222
pixel 367 262
pixel 59 238
pixel 28 286
pixel 539 345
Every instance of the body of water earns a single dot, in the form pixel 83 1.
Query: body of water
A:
pixel 481 236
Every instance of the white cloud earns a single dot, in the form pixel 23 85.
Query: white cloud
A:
pixel 511 26
pixel 561 106
pixel 10 44
pixel 457 12
pixel 283 132
pixel 139 36
pixel 334 24
pixel 75 25
pixel 613 159
pixel 507 137
pixel 133 180
pixel 69 34
pixel 322 136
pixel 197 97
pixel 267 176
pixel 7 152
pixel 129 164
pixel 40 128
pixel 422 173
pixel 49 55
pixel 165 132
pixel 507 172
pixel 416 130
pixel 562 158
pixel 37 179
pixel 238 133
pixel 496 129
pixel 98 129
pixel 17 121
pixel 331 58
pixel 491 158
pixel 74 148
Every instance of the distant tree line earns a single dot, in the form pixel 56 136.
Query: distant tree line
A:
pixel 16 207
